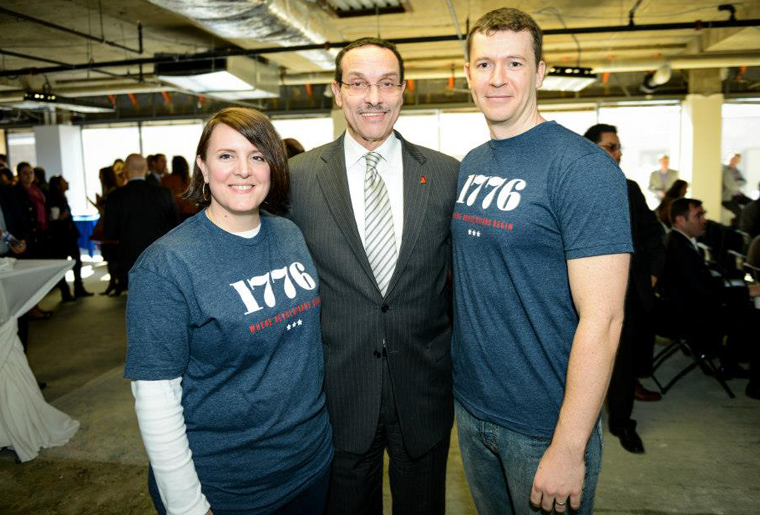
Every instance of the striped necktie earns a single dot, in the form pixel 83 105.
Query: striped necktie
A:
pixel 379 237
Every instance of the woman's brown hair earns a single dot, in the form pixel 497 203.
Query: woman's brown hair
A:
pixel 256 128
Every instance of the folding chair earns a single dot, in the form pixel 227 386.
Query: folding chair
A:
pixel 678 342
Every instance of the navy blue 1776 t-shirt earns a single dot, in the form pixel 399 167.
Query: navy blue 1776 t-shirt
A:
pixel 238 320
pixel 526 205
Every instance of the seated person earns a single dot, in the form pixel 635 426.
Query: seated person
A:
pixel 749 221
pixel 677 190
pixel 733 182
pixel 706 310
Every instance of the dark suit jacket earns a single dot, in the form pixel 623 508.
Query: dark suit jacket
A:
pixel 750 219
pixel 13 213
pixel 686 279
pixel 356 319
pixel 151 179
pixel 649 252
pixel 137 215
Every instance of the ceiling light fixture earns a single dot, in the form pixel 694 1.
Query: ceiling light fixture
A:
pixel 51 101
pixel 567 78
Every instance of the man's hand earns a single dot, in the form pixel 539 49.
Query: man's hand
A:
pixel 18 248
pixel 754 290
pixel 559 480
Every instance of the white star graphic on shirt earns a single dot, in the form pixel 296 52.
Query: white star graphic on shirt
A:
pixel 288 327
pixel 300 322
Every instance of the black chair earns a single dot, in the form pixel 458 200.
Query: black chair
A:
pixel 671 327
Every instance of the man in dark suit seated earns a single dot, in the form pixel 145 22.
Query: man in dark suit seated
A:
pixel 706 310
pixel 137 214
pixel 749 221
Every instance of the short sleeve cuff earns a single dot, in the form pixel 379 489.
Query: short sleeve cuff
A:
pixel 622 247
pixel 138 374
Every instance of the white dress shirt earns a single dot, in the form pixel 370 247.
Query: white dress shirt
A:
pixel 391 169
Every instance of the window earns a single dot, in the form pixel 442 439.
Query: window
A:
pixel 741 125
pixel 100 147
pixel 310 132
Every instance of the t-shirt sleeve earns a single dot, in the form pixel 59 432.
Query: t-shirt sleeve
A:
pixel 591 203
pixel 157 327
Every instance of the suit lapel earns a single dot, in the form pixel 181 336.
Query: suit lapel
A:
pixel 416 190
pixel 333 181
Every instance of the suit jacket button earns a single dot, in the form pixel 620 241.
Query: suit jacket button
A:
pixel 384 308
pixel 377 354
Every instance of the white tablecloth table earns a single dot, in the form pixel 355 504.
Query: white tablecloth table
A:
pixel 27 422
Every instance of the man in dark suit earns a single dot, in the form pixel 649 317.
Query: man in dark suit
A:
pixel 137 214
pixel 705 308
pixel 634 356
pixel 11 221
pixel 375 211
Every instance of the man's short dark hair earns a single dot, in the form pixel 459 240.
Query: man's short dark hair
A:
pixel 21 166
pixel 362 42
pixel 507 18
pixel 594 133
pixel 681 207
pixel 8 174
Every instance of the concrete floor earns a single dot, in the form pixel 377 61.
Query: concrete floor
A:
pixel 703 449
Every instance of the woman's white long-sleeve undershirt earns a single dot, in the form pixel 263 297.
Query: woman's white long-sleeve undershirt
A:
pixel 162 425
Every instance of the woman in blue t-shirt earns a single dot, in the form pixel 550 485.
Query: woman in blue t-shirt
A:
pixel 224 343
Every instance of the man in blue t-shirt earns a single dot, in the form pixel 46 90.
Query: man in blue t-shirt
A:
pixel 541 241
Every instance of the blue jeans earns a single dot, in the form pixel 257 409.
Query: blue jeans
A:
pixel 501 464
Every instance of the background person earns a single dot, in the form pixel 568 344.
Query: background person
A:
pixel 663 178
pixel 31 200
pixel 677 190
pixel 224 340
pixel 733 181
pixel 63 236
pixel 636 349
pixel 136 215
pixel 178 182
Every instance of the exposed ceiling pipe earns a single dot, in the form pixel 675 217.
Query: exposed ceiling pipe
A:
pixel 49 61
pixel 639 65
pixel 678 62
pixel 228 52
pixel 61 28
pixel 460 37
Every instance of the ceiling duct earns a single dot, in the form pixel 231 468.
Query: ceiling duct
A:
pixel 228 78
pixel 285 22
pixel 353 8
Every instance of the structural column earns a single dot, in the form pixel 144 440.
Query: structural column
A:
pixel 59 152
pixel 339 122
pixel 701 128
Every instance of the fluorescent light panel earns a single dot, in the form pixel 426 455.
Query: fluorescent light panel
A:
pixel 568 78
pixel 50 101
